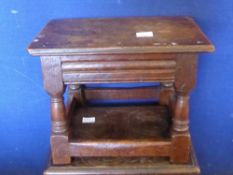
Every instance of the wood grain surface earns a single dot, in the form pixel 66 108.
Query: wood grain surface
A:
pixel 126 166
pixel 75 52
pixel 119 35
pixel 121 131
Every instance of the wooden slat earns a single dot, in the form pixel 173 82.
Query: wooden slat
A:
pixel 119 166
pixel 119 94
pixel 122 76
pixel 118 65
pixel 120 148
pixel 119 57
pixel 145 68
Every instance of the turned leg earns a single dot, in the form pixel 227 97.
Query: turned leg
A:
pixel 184 82
pixel 76 92
pixel 166 95
pixel 58 115
pixel 53 84
pixel 75 98
pixel 59 135
pixel 180 130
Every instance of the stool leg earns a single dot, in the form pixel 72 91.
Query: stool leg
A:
pixel 180 131
pixel 59 136
pixel 53 84
pixel 184 82
pixel 76 92
pixel 166 94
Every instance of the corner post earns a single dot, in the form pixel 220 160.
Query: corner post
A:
pixel 76 92
pixel 53 84
pixel 185 78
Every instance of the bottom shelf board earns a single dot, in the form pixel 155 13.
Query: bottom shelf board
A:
pixel 131 166
pixel 112 131
pixel 120 123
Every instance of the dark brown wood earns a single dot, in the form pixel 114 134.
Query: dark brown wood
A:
pixel 119 76
pixel 117 65
pixel 122 148
pixel 149 93
pixel 77 92
pixel 119 57
pixel 181 145
pixel 121 123
pixel 75 52
pixel 118 35
pixel 145 69
pixel 185 81
pixel 126 166
pixel 166 93
pixel 53 84
pixel 60 149
pixel 121 131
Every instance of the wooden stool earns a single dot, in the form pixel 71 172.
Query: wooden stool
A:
pixel 77 52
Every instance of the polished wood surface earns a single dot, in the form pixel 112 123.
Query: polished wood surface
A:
pixel 53 84
pixel 119 68
pixel 76 52
pixel 126 166
pixel 121 122
pixel 146 93
pixel 121 131
pixel 118 35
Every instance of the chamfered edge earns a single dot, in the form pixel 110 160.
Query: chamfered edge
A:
pixel 123 50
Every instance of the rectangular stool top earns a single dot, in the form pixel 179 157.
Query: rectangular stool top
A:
pixel 120 35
